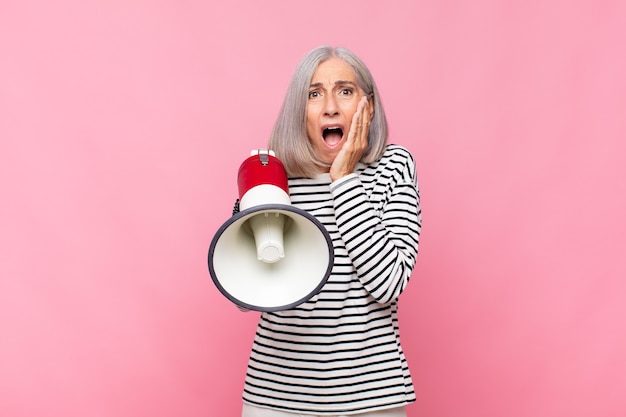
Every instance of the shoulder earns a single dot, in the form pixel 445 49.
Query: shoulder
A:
pixel 399 159
pixel 397 153
pixel 395 166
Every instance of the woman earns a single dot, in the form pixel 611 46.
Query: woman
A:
pixel 339 353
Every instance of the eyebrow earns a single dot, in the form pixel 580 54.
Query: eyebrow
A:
pixel 338 82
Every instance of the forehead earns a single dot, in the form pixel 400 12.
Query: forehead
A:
pixel 332 70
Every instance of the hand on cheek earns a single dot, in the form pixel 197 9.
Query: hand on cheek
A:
pixel 356 143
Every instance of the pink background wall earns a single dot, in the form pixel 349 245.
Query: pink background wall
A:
pixel 122 125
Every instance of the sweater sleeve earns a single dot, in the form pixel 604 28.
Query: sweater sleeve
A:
pixel 381 237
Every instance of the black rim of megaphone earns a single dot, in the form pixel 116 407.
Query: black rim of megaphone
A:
pixel 268 207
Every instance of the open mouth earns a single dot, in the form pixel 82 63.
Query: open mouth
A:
pixel 332 135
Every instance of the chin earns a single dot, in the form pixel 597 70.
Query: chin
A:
pixel 329 158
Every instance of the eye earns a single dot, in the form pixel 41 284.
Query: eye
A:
pixel 314 94
pixel 346 91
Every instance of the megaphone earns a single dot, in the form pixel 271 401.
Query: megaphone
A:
pixel 269 255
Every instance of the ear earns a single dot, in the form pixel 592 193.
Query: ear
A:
pixel 370 103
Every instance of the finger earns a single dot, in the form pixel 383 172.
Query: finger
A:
pixel 364 118
pixel 359 116
pixel 359 128
pixel 355 126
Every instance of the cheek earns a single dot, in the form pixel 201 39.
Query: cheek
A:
pixel 311 123
pixel 348 116
pixel 349 109
pixel 310 128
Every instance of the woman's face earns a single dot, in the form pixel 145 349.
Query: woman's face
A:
pixel 333 99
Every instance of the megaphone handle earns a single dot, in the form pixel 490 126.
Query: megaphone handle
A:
pixel 236 207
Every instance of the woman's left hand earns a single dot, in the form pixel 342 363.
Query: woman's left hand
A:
pixel 356 143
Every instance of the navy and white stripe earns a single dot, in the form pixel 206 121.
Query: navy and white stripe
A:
pixel 340 351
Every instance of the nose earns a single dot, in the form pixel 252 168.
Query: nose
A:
pixel 330 106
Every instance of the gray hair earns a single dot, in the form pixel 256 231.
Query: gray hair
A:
pixel 289 138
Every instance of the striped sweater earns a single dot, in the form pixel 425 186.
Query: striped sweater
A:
pixel 340 351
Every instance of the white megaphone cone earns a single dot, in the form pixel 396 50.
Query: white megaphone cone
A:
pixel 269 255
